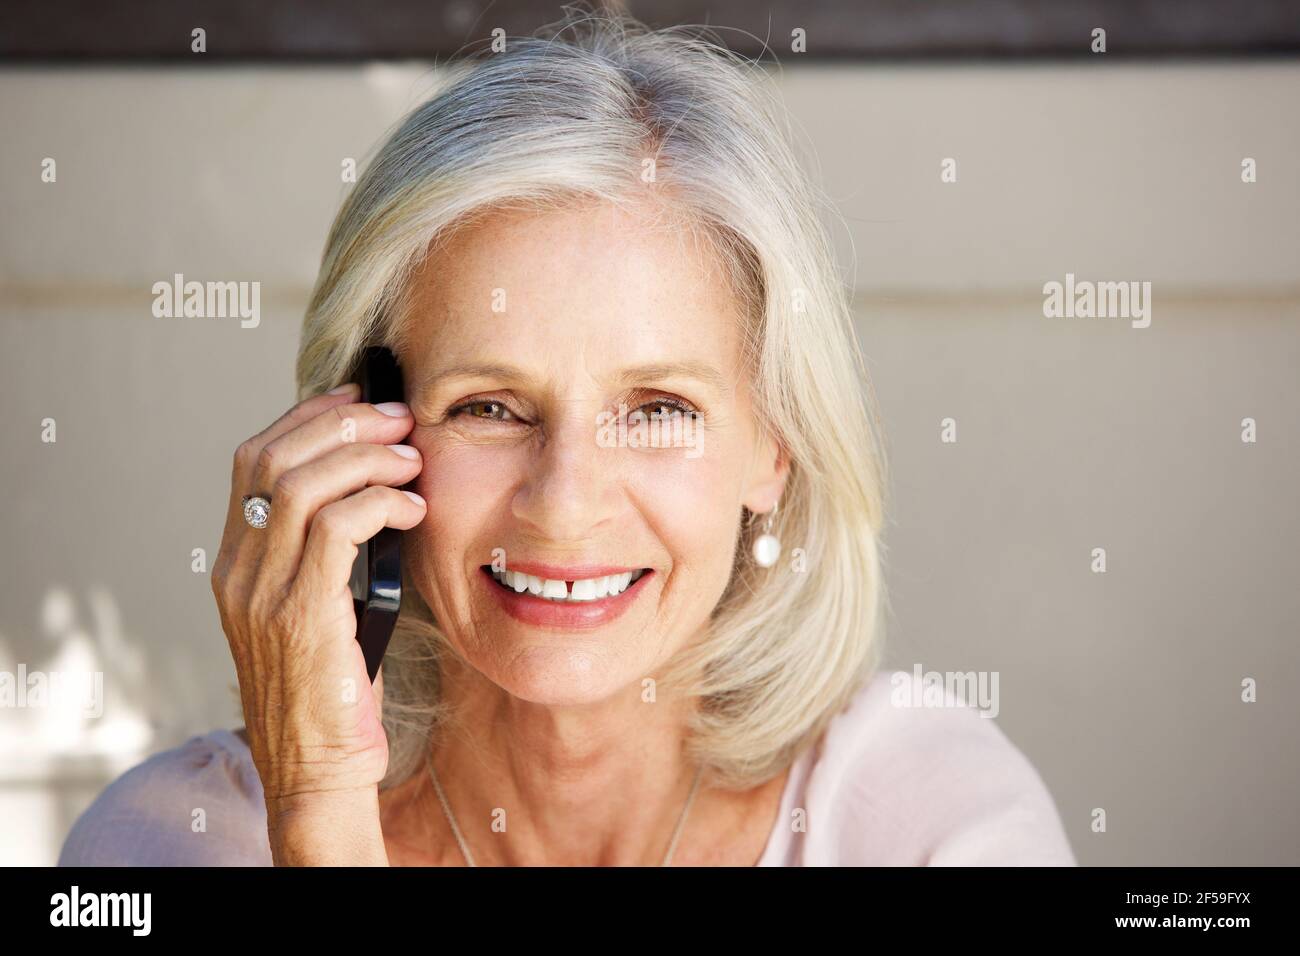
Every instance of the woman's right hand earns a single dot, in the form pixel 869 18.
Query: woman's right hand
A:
pixel 329 468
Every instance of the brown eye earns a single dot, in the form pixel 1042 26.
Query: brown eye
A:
pixel 491 410
pixel 484 409
pixel 664 407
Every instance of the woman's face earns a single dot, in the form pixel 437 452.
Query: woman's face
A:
pixel 528 330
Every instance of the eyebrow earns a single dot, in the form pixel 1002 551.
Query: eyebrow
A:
pixel 656 371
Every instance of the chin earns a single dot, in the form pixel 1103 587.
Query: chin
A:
pixel 561 675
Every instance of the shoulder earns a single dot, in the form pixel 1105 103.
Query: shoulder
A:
pixel 906 775
pixel 196 804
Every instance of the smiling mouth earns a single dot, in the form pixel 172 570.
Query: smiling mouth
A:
pixel 565 592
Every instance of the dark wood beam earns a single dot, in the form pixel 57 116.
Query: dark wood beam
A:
pixel 332 30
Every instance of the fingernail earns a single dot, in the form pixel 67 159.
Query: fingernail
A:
pixel 342 389
pixel 414 497
pixel 395 409
pixel 406 451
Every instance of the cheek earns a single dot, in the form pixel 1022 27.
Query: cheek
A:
pixel 692 506
pixel 466 488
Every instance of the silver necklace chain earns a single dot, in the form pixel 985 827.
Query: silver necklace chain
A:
pixel 469 859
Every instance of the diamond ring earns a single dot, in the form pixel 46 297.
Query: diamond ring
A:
pixel 256 510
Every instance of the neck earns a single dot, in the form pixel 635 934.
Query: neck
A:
pixel 589 784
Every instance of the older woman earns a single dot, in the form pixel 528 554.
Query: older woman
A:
pixel 610 651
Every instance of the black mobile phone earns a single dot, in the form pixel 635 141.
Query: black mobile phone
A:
pixel 378 572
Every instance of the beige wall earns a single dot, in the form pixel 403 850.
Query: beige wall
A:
pixel 1123 688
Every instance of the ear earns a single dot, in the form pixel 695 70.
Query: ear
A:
pixel 767 476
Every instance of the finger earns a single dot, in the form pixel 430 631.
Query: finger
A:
pixel 302 491
pixel 340 527
pixel 247 453
pixel 337 426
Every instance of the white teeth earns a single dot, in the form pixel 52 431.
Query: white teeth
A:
pixel 587 589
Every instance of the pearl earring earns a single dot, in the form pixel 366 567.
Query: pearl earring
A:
pixel 767 547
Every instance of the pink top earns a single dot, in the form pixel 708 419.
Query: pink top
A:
pixel 886 785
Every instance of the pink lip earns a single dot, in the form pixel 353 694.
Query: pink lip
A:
pixel 539 612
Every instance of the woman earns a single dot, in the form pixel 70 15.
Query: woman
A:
pixel 612 650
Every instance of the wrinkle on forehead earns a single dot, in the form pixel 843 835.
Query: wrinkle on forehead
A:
pixel 675 296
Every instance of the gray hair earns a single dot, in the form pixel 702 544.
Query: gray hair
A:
pixel 577 112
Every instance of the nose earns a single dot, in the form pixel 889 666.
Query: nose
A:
pixel 571 493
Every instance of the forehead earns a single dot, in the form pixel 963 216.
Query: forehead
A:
pixel 617 286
